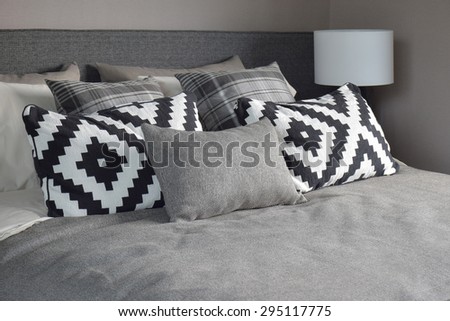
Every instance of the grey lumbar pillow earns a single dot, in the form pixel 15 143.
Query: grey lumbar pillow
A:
pixel 204 174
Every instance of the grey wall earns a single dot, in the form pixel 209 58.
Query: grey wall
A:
pixel 229 15
pixel 415 111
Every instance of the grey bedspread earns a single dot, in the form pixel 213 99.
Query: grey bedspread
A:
pixel 384 238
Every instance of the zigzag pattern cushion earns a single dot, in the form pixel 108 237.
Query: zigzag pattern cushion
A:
pixel 78 97
pixel 96 164
pixel 334 139
pixel 217 92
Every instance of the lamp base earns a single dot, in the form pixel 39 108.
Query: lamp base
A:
pixel 366 94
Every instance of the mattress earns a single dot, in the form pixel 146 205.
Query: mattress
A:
pixel 384 238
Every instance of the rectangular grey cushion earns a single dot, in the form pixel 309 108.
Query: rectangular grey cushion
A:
pixel 74 97
pixel 229 181
pixel 165 78
pixel 217 92
pixel 112 73
pixel 67 72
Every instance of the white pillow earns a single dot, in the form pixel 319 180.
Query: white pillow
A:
pixel 16 162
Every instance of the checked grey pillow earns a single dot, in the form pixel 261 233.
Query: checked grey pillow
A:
pixel 330 140
pixel 217 92
pixel 78 97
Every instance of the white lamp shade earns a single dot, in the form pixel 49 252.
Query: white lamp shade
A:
pixel 364 57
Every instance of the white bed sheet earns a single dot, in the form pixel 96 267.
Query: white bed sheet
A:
pixel 19 210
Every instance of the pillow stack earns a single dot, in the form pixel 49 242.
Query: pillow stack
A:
pixel 125 145
pixel 91 156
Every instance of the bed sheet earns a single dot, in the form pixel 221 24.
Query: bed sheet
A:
pixel 385 238
pixel 19 210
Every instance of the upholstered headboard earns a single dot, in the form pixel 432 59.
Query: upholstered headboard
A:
pixel 24 51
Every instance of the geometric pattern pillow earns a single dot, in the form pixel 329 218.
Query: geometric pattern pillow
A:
pixel 77 97
pixel 331 140
pixel 217 92
pixel 96 164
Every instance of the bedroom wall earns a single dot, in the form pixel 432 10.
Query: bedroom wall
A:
pixel 415 111
pixel 229 15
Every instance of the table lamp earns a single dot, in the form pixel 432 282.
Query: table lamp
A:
pixel 364 57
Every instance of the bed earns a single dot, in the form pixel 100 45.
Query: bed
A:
pixel 382 238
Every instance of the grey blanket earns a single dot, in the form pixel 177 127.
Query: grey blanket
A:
pixel 384 238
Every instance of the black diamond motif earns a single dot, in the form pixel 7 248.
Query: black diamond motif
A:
pixel 95 137
pixel 101 162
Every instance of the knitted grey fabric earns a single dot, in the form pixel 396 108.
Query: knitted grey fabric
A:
pixel 26 51
pixel 232 179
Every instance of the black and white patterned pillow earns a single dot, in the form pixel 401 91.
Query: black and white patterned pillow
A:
pixel 78 97
pixel 96 164
pixel 334 139
pixel 217 92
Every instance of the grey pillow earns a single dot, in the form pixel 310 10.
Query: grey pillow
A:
pixel 217 92
pixel 68 72
pixel 75 97
pixel 204 174
pixel 111 73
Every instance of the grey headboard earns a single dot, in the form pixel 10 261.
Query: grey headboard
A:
pixel 24 51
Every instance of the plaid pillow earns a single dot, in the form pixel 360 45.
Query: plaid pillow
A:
pixel 76 97
pixel 217 92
